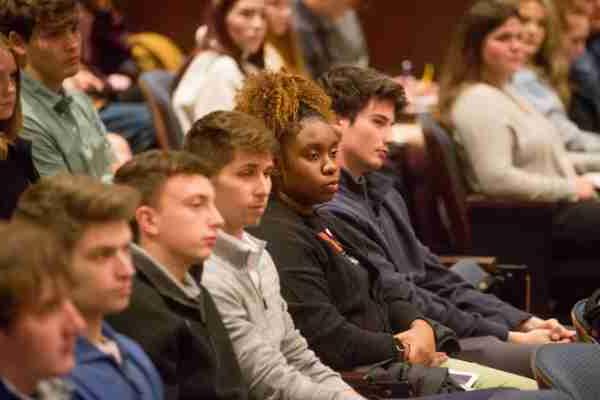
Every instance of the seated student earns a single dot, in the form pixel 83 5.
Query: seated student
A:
pixel 171 315
pixel 330 34
pixel 331 285
pixel 17 171
pixel 65 130
pixel 509 149
pixel 231 49
pixel 38 323
pixel 275 360
pixel 92 220
pixel 585 71
pixel 544 83
pixel 282 44
pixel 366 103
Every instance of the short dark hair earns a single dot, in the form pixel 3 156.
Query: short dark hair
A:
pixel 68 204
pixel 351 88
pixel 216 136
pixel 22 16
pixel 31 260
pixel 148 172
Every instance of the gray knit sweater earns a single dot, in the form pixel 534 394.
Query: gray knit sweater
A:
pixel 510 149
pixel 274 357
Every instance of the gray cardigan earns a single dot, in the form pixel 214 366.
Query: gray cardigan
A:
pixel 509 149
pixel 275 359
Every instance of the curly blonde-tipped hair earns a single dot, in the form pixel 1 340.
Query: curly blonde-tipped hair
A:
pixel 282 100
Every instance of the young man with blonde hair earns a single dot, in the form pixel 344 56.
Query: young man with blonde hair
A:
pixel 92 221
pixel 38 323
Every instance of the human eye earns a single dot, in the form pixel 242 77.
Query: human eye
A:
pixel 334 153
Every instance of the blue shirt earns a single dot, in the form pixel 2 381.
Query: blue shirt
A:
pixel 98 375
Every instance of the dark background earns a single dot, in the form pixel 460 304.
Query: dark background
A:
pixel 395 29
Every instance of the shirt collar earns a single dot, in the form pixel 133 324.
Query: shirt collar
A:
pixel 86 351
pixel 240 253
pixel 60 102
pixel 189 286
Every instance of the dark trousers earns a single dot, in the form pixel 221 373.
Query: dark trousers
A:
pixel 576 230
pixel 497 394
pixel 492 352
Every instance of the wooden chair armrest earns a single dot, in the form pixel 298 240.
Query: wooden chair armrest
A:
pixel 479 201
pixel 490 264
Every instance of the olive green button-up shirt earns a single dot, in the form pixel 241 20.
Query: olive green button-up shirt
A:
pixel 66 132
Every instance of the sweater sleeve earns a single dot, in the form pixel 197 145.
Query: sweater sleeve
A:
pixel 223 79
pixel 398 287
pixel 338 342
pixel 480 119
pixel 457 291
pixel 265 367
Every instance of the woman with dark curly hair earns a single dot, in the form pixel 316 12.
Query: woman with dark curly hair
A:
pixel 331 287
pixel 17 171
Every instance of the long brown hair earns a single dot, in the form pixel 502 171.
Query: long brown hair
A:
pixel 464 61
pixel 11 127
pixel 548 62
pixel 289 49
pixel 217 39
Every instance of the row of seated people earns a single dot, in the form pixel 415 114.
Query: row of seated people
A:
pixel 301 106
pixel 520 144
pixel 230 336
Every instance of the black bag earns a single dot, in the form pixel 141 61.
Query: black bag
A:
pixel 395 379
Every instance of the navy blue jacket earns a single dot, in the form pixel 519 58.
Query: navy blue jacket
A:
pixel 408 269
pixel 98 375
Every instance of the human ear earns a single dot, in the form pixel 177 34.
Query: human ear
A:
pixel 18 45
pixel 147 220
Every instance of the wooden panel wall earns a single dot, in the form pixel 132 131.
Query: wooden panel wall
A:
pixel 395 29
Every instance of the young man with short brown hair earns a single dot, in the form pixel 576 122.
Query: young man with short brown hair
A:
pixel 92 220
pixel 177 226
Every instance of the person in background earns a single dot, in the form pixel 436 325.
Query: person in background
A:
pixel 544 81
pixel 510 150
pixel 17 171
pixel 91 219
pixel 39 324
pixel 282 48
pixel 231 48
pixel 585 70
pixel 330 34
pixel 66 132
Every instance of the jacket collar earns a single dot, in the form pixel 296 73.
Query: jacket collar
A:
pixel 148 269
pixel 245 253
pixel 86 352
pixel 372 187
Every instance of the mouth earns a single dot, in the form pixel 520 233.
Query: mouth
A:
pixel 332 187
pixel 210 241
pixel 382 154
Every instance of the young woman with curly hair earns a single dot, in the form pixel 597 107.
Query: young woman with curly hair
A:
pixel 327 279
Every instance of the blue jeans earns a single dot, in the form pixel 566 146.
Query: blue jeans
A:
pixel 133 121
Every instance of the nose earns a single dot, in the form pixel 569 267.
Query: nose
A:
pixel 263 186
pixel 258 22
pixel 125 268
pixel 75 322
pixel 216 220
pixel 330 166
